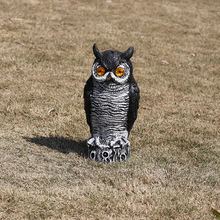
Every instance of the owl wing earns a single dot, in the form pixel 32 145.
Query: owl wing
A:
pixel 134 96
pixel 87 101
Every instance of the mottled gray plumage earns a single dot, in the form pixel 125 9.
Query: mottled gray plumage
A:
pixel 111 104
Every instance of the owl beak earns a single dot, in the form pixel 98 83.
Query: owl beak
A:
pixel 109 77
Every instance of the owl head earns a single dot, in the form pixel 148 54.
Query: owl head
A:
pixel 112 66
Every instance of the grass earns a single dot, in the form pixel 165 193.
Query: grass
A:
pixel 46 58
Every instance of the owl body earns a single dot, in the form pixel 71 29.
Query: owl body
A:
pixel 111 102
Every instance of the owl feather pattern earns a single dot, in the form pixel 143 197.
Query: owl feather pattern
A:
pixel 111 98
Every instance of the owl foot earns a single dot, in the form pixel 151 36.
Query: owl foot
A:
pixel 117 148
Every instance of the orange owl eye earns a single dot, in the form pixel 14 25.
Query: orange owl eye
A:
pixel 101 71
pixel 119 71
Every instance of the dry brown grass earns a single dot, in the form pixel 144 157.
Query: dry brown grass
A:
pixel 46 58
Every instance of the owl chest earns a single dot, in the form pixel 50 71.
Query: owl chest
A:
pixel 109 108
pixel 110 101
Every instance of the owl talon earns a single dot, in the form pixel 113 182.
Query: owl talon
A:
pixel 123 157
pixel 105 154
pixel 92 155
pixel 117 149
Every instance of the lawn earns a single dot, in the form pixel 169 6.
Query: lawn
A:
pixel 45 60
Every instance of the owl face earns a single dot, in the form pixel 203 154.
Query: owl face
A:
pixel 119 75
pixel 112 66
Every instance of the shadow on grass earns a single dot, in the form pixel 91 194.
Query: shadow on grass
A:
pixel 61 144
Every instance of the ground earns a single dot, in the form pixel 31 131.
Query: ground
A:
pixel 45 59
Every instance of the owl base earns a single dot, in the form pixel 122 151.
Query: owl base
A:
pixel 111 150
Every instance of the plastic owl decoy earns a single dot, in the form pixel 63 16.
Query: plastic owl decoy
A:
pixel 111 98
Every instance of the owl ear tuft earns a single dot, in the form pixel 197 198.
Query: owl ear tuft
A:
pixel 128 53
pixel 96 51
